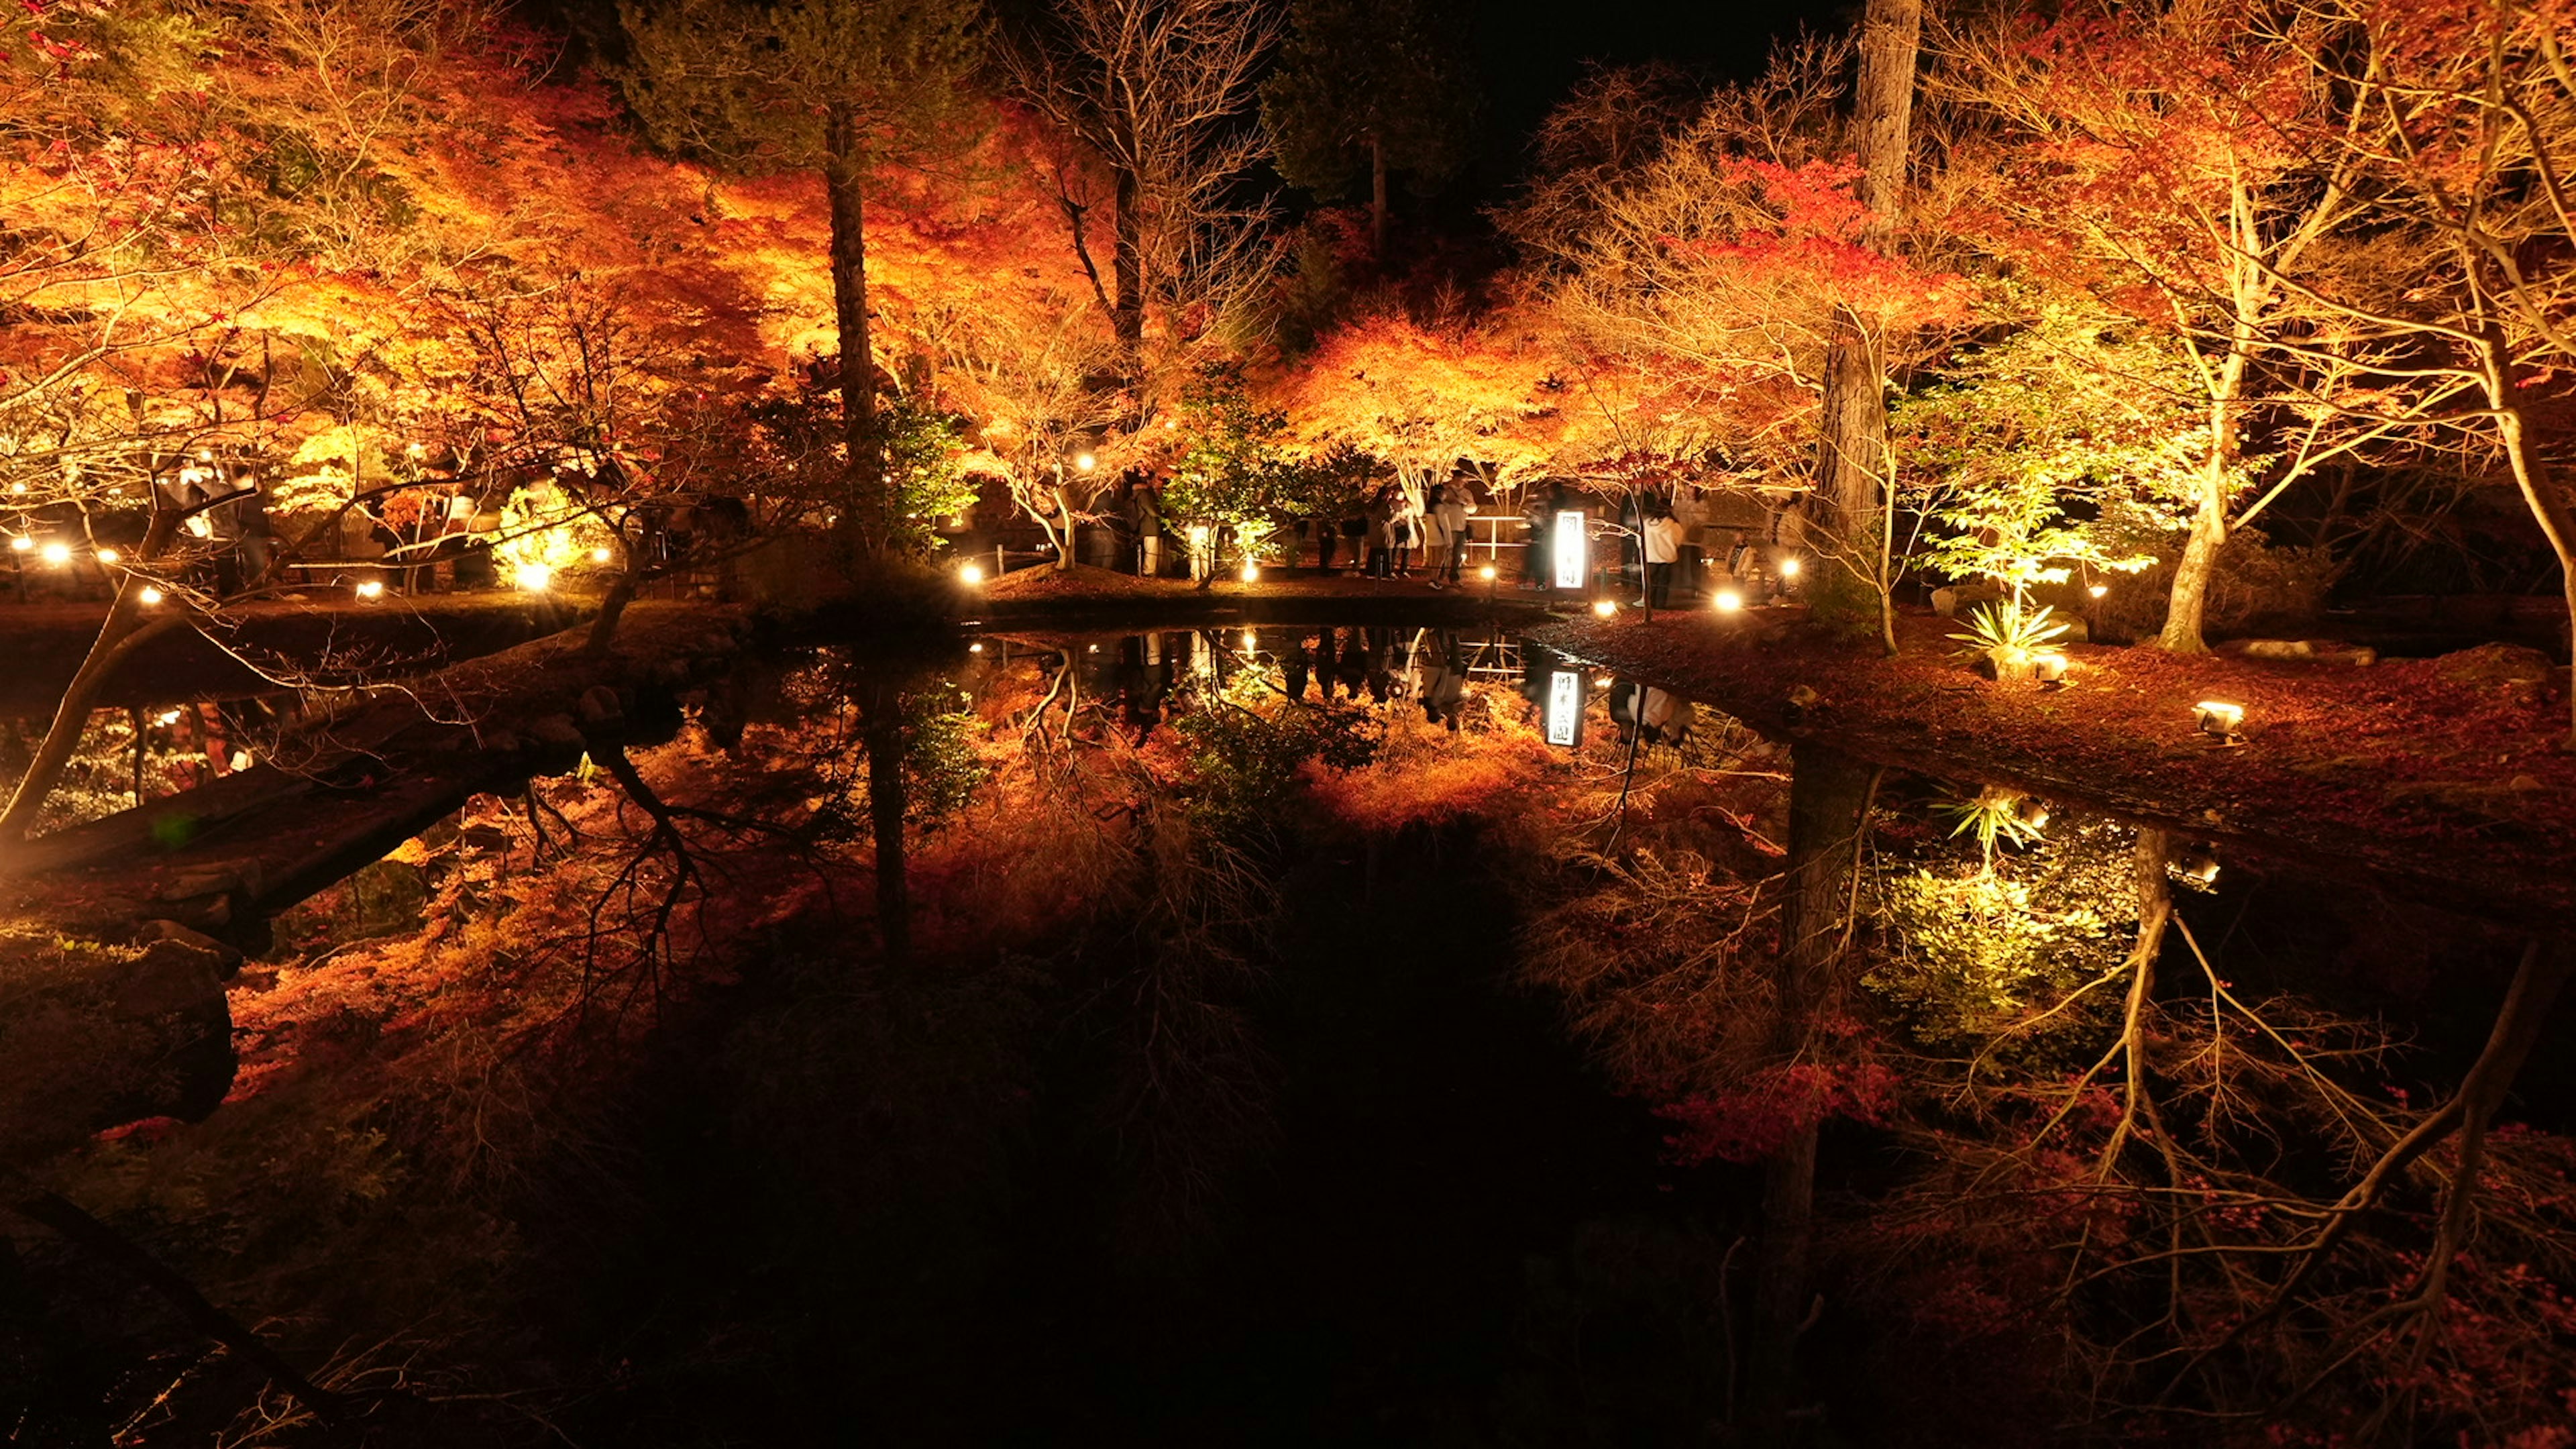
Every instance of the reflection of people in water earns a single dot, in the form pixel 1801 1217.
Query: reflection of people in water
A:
pixel 1293 665
pixel 1381 681
pixel 1654 716
pixel 1142 679
pixel 1444 682
pixel 1354 668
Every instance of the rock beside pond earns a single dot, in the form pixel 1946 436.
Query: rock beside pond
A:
pixel 2512 665
pixel 1950 602
pixel 2307 651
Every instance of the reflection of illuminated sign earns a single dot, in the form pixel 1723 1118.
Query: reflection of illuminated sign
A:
pixel 1573 549
pixel 1564 704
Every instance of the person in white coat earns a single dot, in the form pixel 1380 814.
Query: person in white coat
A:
pixel 1663 546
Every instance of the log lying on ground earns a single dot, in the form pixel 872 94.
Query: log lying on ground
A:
pixel 341 791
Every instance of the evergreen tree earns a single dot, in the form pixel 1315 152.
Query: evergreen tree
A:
pixel 1365 88
pixel 842 87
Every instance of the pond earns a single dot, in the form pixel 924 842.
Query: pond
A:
pixel 1285 1035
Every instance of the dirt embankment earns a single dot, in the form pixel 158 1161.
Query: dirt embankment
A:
pixel 2442 777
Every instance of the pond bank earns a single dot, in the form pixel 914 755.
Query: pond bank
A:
pixel 2435 777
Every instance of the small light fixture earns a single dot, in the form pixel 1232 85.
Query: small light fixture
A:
pixel 1085 462
pixel 1486 573
pixel 1605 608
pixel 602 554
pixel 2221 721
pixel 533 577
pixel 150 596
pixel 1789 567
pixel 1727 601
pixel 1602 681
pixel 371 589
pixel 166 718
pixel 109 556
pixel 2048 666
pixel 2098 590
pixel 2198 865
pixel 1251 573
pixel 57 554
pixel 2032 813
pixel 1251 640
pixel 970 574
pixel 21 544
pixel 975 648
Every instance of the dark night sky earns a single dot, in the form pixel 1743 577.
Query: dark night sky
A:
pixel 1532 51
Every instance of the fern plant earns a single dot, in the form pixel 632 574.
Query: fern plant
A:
pixel 2009 631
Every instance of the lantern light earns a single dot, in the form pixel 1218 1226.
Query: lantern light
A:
pixel 1564 708
pixel 109 556
pixel 150 596
pixel 1727 601
pixel 2221 720
pixel 970 574
pixel 1606 608
pixel 21 544
pixel 1251 640
pixel 601 554
pixel 1573 549
pixel 2098 590
pixel 1789 567
pixel 1251 573
pixel 534 577
pixel 1486 573
pixel 371 589
pixel 57 554
pixel 1085 462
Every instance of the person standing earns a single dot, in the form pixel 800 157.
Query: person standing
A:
pixel 1145 515
pixel 1662 543
pixel 1381 532
pixel 1435 532
pixel 1403 531
pixel 1451 516
pixel 1538 513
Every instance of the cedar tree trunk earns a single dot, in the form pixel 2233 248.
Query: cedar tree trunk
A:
pixel 869 512
pixel 1851 461
pixel 1829 795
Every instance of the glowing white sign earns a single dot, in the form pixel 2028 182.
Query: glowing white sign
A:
pixel 1573 549
pixel 1564 705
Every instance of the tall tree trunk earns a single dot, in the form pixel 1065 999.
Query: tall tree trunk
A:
pixel 881 736
pixel 1829 795
pixel 2541 492
pixel 868 512
pixel 1127 273
pixel 1851 485
pixel 1377 199
pixel 2187 604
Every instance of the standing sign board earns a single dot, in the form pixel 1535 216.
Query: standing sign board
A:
pixel 1573 549
pixel 1565 708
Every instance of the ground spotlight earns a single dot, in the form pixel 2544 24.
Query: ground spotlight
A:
pixel 536 578
pixel 1606 608
pixel 1727 601
pixel 970 574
